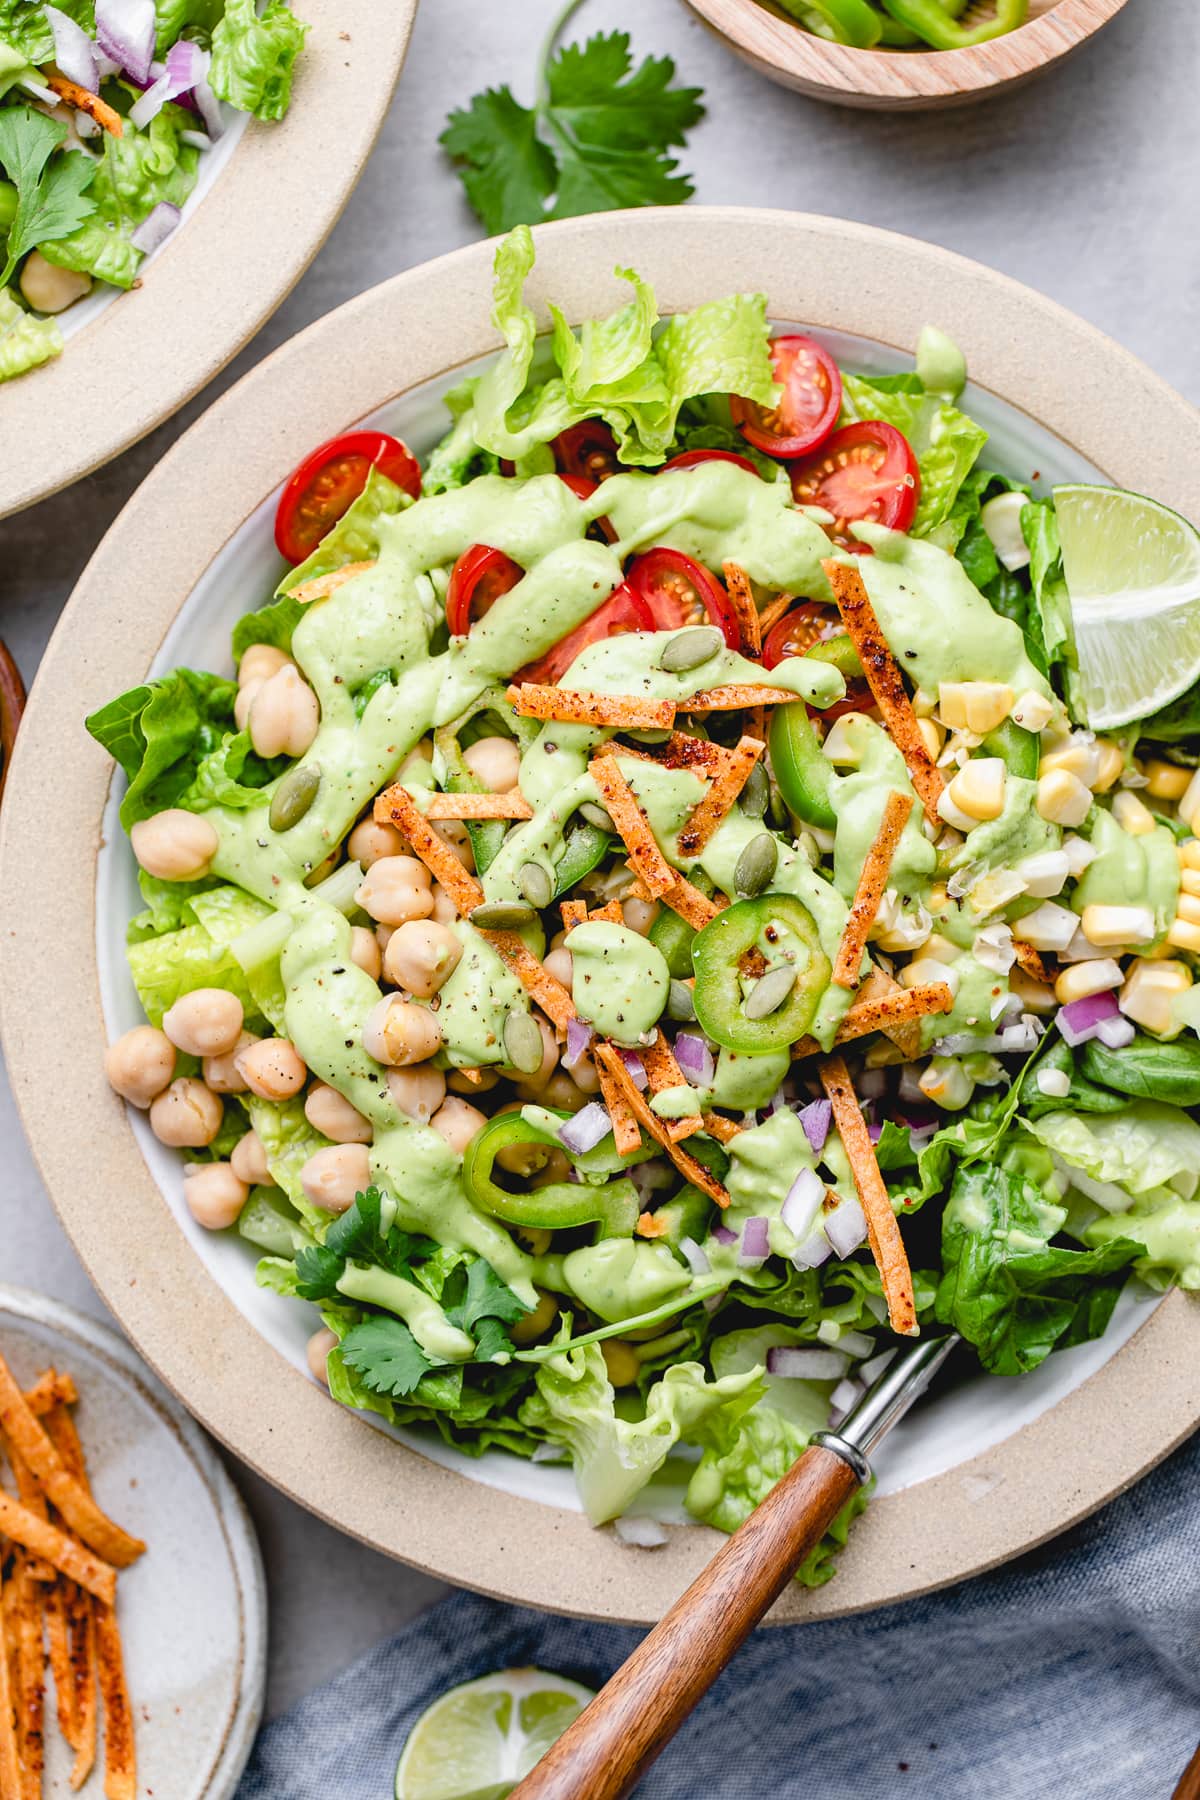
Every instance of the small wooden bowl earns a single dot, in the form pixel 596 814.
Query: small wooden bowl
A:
pixel 904 80
pixel 12 705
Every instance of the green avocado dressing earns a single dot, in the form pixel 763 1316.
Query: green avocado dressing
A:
pixel 1130 871
pixel 858 801
pixel 619 981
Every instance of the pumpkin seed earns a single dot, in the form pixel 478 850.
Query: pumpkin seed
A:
pixel 679 1002
pixel 755 796
pixel 502 915
pixel 690 649
pixel 755 868
pixel 768 994
pixel 535 884
pixel 523 1042
pixel 649 734
pixel 596 815
pixel 293 797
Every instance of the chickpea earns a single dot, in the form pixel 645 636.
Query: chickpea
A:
pixel 261 661
pixel 522 1159
pixel 285 714
pixel 395 889
pixel 221 1072
pixel 418 1092
pixel 214 1194
pixel 186 1114
pixel 550 1050
pixel 421 753
pixel 316 876
pixel 271 1069
pixel 421 956
pixel 458 1122
pixel 369 842
pixel 444 909
pixel 557 1169
pixel 485 1080
pixel 317 1352
pixel 640 915
pixel 175 845
pixel 140 1064
pixel 585 1077
pixel 332 1115
pixel 496 762
pixel 400 1033
pixel 50 289
pixel 334 1176
pixel 621 1362
pixel 560 1090
pixel 534 1238
pixel 206 1022
pixel 454 834
pixel 364 950
pixel 249 1161
pixel 246 696
pixel 560 964
pixel 537 1323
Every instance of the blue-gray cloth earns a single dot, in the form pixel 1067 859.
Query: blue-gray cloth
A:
pixel 1073 1674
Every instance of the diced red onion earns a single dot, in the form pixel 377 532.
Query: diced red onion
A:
pixel 755 1246
pixel 816 1119
pixel 209 108
pixel 871 1370
pixel 723 1234
pixel 635 1068
pixel 871 1084
pixel 846 1227
pixel 697 1262
pixel 125 30
pixel 156 227
pixel 644 1534
pixel 199 140
pixel 1114 1034
pixel 186 64
pixel 846 1394
pixel 855 1343
pixel 74 51
pixel 874 1131
pixel 804 1364
pixel 1079 1020
pixel 803 1203
pixel 579 1038
pixel 590 1126
pixel 815 1250
pixel 694 1058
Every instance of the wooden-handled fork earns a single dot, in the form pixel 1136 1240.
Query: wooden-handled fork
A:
pixel 635 1715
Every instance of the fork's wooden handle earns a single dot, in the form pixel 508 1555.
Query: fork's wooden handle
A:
pixel 614 1740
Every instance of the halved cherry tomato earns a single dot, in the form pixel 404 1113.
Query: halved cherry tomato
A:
pixel 857 698
pixel 807 413
pixel 588 449
pixel 679 592
pixel 583 488
pixel 689 458
pixel 329 481
pixel 477 580
pixel 624 611
pixel 796 632
pixel 865 471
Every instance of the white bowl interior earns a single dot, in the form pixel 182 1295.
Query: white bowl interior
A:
pixel 970 1416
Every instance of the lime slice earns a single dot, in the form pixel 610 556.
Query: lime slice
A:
pixel 479 1740
pixel 1132 570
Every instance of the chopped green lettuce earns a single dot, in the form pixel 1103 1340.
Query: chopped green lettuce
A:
pixel 458 459
pixel 1166 1234
pixel 25 341
pixel 24 26
pixel 1143 1148
pixel 177 962
pixel 174 17
pixel 944 440
pixel 232 775
pixel 254 56
pixel 136 172
pixel 160 733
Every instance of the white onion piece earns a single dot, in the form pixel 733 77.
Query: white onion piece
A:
pixel 74 51
pixel 644 1534
pixel 871 1084
pixel 804 1364
pixel 209 108
pixel 803 1203
pixel 872 1369
pixel 200 140
pixel 86 126
pixel 846 1394
pixel 815 1250
pixel 846 1227
pixel 855 1343
pixel 125 30
pixel 697 1262
pixel 1107 1194
pixel 156 228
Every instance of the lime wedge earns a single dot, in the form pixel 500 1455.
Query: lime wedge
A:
pixel 477 1741
pixel 1132 570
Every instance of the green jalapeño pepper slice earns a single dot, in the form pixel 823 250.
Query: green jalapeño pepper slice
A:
pixel 1020 750
pixel 932 21
pixel 802 774
pixel 743 958
pixel 558 1206
pixel 851 22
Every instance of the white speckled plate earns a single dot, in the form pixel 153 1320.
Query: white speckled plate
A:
pixel 193 1610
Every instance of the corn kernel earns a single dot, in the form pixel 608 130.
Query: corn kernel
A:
pixel 843 743
pixel 939 949
pixel 1045 874
pixel 1084 978
pixel 1047 927
pixel 1032 711
pixel 1132 814
pixel 1110 765
pixel 1055 1082
pixel 1189 803
pixel 924 703
pixel 1062 798
pixel 1035 996
pixel 932 736
pixel 1189 853
pixel 978 789
pixel 1184 936
pixel 1189 880
pixel 977 706
pixel 937 900
pixel 1077 756
pixel 954 815
pixel 1188 907
pixel 1149 989
pixel 925 970
pixel 946 1083
pixel 1079 854
pixel 1109 925
pixel 1166 781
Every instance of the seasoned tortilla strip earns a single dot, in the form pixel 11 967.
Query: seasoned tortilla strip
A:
pixel 680 751
pixel 645 857
pixel 10 1767
pixel 732 698
pixel 864 908
pixel 31 1681
pixel 904 1033
pixel 565 706
pixel 891 1009
pixel 31 1496
pixel 321 586
pixel 690 903
pixel 83 100
pixel 74 1502
pixel 883 1233
pixel 885 681
pixel 626 1133
pixel 82 1612
pixel 741 598
pixel 721 1129
pixel 396 806
pixel 479 806
pixel 45 1540
pixel 773 612
pixel 1032 963
pixel 52 1388
pixel 58 1644
pixel 537 980
pixel 607 1057
pixel 610 914
pixel 662 1071
pixel 574 912
pixel 120 1759
pixel 708 813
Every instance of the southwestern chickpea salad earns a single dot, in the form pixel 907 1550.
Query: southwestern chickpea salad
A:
pixel 691 887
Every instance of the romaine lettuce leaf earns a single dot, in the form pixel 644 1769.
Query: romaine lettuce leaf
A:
pixel 1144 1147
pixel 355 538
pixel 137 171
pixel 175 963
pixel 1166 1233
pixel 174 17
pixel 254 55
pixel 25 342
pixel 288 1140
pixel 160 733
pixel 458 459
pixel 24 25
pixel 232 775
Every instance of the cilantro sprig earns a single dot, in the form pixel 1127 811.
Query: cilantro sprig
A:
pixel 598 136
pixel 50 194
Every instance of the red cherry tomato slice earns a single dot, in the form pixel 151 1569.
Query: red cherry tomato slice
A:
pixel 865 471
pixel 807 413
pixel 857 698
pixel 679 592
pixel 583 489
pixel 589 449
pixel 796 632
pixel 688 459
pixel 624 611
pixel 477 580
pixel 327 483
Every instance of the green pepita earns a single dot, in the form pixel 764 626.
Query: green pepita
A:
pixel 502 915
pixel 293 797
pixel 523 1042
pixel 535 884
pixel 755 868
pixel 755 796
pixel 690 648
pixel 679 1002
pixel 768 994
pixel 596 815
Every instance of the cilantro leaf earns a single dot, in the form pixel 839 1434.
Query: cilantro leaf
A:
pixel 598 138
pixel 50 202
pixel 487 1297
pixel 386 1354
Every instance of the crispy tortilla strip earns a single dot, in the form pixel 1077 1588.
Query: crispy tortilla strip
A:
pixel 120 1760
pixel 73 1501
pixel 906 1033
pixel 30 1495
pixel 733 698
pixel 626 1133
pixel 893 1008
pixel 52 1388
pixel 321 586
pixel 718 1127
pixel 887 1246
pixel 574 912
pixel 30 1693
pixel 708 813
pixel 537 980
pixel 690 903
pixel 83 100
pixel 82 1610
pixel 662 1071
pixel 885 681
pixel 58 1644
pixel 396 806
pixel 645 857
pixel 45 1540
pixel 649 1225
pixel 680 751
pixel 872 881
pixel 473 1076
pixel 565 706
pixel 1032 963
pixel 479 806
pixel 741 598
pixel 10 1766
pixel 607 1057
pixel 610 913
pixel 773 612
